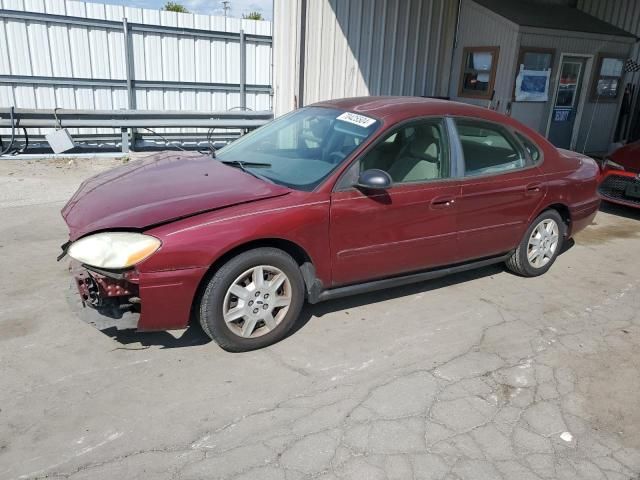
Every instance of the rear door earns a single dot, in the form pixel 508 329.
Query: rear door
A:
pixel 410 226
pixel 501 189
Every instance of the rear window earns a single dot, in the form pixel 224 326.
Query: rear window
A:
pixel 530 147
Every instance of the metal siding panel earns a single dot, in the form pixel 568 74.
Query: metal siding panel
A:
pixel 117 61
pixel 61 60
pixel 5 61
pixel 34 5
pixel 18 48
pixel 363 47
pixel 55 7
pixel 424 68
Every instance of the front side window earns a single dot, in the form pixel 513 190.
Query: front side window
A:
pixel 414 153
pixel 301 149
pixel 478 71
pixel 608 79
pixel 488 148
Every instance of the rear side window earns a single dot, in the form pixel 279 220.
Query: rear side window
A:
pixel 488 148
pixel 532 148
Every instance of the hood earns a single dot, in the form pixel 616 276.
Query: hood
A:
pixel 158 189
pixel 628 156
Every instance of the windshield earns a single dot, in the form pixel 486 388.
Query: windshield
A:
pixel 300 149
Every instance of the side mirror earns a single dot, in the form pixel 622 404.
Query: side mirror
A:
pixel 374 179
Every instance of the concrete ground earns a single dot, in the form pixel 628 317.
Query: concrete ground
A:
pixel 478 376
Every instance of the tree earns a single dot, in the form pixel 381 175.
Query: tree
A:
pixel 253 16
pixel 175 7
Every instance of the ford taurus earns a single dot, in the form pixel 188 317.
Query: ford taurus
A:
pixel 338 198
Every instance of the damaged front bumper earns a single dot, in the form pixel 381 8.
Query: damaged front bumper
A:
pixel 161 300
pixel 110 293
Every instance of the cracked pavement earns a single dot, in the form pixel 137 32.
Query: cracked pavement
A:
pixel 477 376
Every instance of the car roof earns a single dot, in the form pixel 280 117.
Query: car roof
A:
pixel 397 109
pixel 394 110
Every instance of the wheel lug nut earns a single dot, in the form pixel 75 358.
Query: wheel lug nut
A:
pixel 257 294
pixel 265 306
pixel 266 295
pixel 250 302
pixel 255 310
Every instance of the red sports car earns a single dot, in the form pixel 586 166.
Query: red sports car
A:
pixel 334 199
pixel 620 181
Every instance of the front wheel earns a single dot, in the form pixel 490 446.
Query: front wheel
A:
pixel 540 245
pixel 253 300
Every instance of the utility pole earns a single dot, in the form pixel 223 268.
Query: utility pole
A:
pixel 226 8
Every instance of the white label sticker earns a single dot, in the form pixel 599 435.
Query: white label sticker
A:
pixel 356 119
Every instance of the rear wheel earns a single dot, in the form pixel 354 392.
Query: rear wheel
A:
pixel 253 300
pixel 540 245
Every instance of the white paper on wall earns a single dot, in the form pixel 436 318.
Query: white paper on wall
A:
pixel 532 85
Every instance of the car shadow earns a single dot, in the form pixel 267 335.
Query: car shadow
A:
pixel 320 309
pixel 620 210
pixel 131 339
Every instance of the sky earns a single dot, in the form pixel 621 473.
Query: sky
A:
pixel 210 7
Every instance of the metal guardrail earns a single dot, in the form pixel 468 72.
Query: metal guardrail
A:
pixel 127 120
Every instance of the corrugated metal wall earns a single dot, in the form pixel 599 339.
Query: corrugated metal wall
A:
pixel 50 49
pixel 480 27
pixel 365 47
pixel 285 54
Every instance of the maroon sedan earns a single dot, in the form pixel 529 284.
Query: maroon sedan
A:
pixel 334 199
pixel 620 182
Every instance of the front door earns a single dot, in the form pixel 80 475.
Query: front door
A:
pixel 566 101
pixel 410 226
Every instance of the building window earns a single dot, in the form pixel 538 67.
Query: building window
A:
pixel 608 78
pixel 478 72
pixel 539 59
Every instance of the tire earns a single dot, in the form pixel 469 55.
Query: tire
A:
pixel 519 261
pixel 235 290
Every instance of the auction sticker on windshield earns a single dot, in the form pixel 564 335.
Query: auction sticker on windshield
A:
pixel 356 119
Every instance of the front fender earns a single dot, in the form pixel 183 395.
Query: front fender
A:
pixel 195 242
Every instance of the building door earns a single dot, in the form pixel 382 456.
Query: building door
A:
pixel 567 101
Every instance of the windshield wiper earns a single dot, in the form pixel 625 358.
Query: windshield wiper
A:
pixel 243 166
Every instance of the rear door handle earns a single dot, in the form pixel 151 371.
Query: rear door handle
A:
pixel 443 202
pixel 534 187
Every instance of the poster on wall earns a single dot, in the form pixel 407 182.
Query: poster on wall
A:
pixel 532 85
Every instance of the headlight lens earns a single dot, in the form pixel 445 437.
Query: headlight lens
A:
pixel 114 249
pixel 611 164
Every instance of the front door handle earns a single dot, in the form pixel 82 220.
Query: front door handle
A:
pixel 443 202
pixel 533 188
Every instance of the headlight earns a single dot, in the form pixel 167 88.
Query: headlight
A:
pixel 611 164
pixel 113 249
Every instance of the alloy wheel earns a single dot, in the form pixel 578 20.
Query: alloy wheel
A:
pixel 543 243
pixel 257 301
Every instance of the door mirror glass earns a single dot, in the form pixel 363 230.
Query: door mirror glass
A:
pixel 374 179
